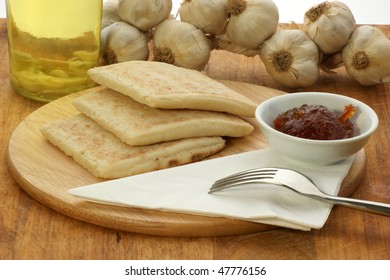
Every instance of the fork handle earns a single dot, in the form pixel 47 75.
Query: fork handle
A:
pixel 363 205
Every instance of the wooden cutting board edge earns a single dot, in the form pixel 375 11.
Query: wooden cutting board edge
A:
pixel 140 220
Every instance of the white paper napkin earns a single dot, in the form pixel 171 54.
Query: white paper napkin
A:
pixel 184 189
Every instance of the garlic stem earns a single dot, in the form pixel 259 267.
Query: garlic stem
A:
pixel 360 61
pixel 164 54
pixel 236 7
pixel 315 12
pixel 282 60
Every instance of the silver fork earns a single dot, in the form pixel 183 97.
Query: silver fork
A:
pixel 299 183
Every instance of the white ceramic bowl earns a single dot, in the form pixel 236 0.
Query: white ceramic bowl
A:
pixel 320 152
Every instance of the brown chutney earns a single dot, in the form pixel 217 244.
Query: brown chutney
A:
pixel 316 122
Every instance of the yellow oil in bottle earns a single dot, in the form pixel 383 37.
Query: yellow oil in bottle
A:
pixel 52 44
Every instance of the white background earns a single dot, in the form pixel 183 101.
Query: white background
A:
pixel 365 11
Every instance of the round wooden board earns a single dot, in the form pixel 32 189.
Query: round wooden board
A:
pixel 46 173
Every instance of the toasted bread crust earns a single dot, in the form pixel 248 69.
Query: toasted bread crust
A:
pixel 105 156
pixel 162 85
pixel 138 124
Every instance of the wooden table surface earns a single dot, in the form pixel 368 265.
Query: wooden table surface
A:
pixel 29 230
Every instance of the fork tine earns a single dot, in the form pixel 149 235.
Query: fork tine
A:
pixel 247 176
pixel 244 177
pixel 251 172
pixel 219 187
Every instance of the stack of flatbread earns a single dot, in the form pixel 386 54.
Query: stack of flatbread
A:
pixel 147 116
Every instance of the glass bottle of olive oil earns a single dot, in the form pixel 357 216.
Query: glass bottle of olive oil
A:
pixel 52 44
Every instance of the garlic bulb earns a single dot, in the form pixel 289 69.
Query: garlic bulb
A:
pixel 366 57
pixel 182 44
pixel 208 15
pixel 291 58
pixel 144 14
pixel 329 25
pixel 110 13
pixel 123 42
pixel 251 22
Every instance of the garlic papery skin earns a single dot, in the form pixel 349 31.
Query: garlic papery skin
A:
pixel 234 48
pixel 181 44
pixel 251 22
pixel 329 25
pixel 208 15
pixel 291 58
pixel 144 14
pixel 367 56
pixel 122 42
pixel 110 13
